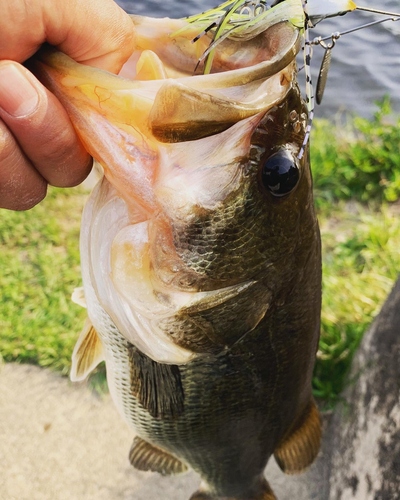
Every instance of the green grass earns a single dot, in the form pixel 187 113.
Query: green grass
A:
pixel 361 261
pixel 357 160
pixel 356 170
pixel 39 265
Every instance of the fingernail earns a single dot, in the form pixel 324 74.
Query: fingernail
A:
pixel 18 97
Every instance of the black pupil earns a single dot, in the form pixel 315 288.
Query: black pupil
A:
pixel 280 173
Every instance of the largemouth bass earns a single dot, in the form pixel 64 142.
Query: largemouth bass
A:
pixel 200 252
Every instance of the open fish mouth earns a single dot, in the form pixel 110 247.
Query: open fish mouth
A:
pixel 175 150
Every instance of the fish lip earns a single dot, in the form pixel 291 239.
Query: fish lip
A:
pixel 262 70
pixel 214 111
pixel 59 61
pixel 219 100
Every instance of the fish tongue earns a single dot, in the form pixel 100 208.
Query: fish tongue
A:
pixel 110 115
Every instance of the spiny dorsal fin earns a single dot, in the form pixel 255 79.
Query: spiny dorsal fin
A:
pixel 88 353
pixel 78 297
pixel 300 447
pixel 157 386
pixel 145 456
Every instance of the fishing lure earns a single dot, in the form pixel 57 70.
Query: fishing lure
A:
pixel 326 60
pixel 244 19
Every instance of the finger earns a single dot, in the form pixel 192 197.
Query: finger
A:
pixel 41 127
pixel 102 36
pixel 21 185
pixel 96 33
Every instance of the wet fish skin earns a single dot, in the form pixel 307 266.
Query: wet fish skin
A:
pixel 252 259
pixel 252 394
pixel 241 402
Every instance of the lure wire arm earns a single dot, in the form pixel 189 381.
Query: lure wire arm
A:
pixel 224 20
pixel 377 11
pixel 338 34
pixel 326 60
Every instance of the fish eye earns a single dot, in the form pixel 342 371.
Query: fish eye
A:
pixel 280 173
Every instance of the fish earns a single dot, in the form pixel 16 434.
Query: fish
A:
pixel 200 252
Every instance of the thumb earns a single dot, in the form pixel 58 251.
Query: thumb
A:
pixel 98 33
pixel 94 32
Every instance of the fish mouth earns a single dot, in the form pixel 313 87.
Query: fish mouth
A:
pixel 151 108
pixel 154 128
pixel 171 104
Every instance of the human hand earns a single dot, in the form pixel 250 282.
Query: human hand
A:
pixel 38 145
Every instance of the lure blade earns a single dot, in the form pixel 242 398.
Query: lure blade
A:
pixel 323 75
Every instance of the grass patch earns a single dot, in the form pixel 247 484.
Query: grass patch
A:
pixel 356 170
pixel 356 160
pixel 39 265
pixel 361 260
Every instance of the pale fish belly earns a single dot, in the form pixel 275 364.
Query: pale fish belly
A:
pixel 118 366
pixel 114 344
pixel 116 348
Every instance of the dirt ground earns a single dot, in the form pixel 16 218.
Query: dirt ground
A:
pixel 61 441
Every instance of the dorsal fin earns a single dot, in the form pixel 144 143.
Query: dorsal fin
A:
pixel 88 353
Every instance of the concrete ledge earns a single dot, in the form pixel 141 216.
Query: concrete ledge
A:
pixel 61 441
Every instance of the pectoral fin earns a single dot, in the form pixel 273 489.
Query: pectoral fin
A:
pixel 88 353
pixel 157 386
pixel 300 447
pixel 145 456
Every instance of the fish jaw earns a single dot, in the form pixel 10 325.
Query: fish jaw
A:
pixel 173 39
pixel 171 149
pixel 121 122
